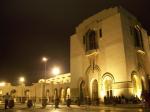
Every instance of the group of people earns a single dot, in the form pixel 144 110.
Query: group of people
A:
pixel 121 100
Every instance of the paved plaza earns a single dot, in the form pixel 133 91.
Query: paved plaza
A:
pixel 74 108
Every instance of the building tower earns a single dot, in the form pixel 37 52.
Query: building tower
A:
pixel 110 56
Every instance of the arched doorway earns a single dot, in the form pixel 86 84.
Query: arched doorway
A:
pixel 108 87
pixel 107 82
pixel 62 94
pixel 27 94
pixel 136 83
pixel 55 93
pixel 47 95
pixel 82 85
pixel 67 93
pixel 95 90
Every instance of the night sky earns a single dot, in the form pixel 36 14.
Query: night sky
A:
pixel 30 29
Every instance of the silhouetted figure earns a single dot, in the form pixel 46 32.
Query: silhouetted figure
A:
pixel 6 97
pixel 68 101
pixel 56 102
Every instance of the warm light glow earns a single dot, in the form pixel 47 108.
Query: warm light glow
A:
pixel 103 93
pixel 141 52
pixel 2 84
pixel 137 90
pixel 44 59
pixel 41 80
pixel 21 79
pixel 55 71
pixel 94 53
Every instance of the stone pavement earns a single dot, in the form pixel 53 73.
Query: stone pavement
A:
pixel 74 108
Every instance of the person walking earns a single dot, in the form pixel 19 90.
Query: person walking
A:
pixel 6 97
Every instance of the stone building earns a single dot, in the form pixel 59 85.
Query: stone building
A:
pixel 109 56
pixel 52 88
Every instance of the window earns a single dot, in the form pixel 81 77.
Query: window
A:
pixel 138 41
pixel 100 33
pixel 90 40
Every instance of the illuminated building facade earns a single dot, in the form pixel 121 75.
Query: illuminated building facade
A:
pixel 109 56
pixel 55 87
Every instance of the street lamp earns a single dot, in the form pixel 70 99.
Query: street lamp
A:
pixel 44 100
pixel 22 80
pixel 55 71
pixel 44 59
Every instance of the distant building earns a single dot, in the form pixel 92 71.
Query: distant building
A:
pixel 109 56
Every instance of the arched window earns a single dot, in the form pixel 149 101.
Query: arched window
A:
pixel 138 41
pixel 90 40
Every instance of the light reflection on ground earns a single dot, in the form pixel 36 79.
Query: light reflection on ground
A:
pixel 78 109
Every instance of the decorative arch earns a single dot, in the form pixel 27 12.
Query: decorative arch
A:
pixel 136 84
pixel 94 89
pixel 143 79
pixel 82 91
pixel 107 82
pixel 67 92
pixel 92 73
pixel 109 75
pixel 62 95
pixel 27 92
pixel 92 68
pixel 55 93
pixel 47 92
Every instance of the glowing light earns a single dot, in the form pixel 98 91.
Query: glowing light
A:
pixel 41 80
pixel 2 84
pixel 141 52
pixel 139 93
pixel 55 71
pixel 21 79
pixel 103 93
pixel 44 59
pixel 93 53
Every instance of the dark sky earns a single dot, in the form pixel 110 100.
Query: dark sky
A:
pixel 30 29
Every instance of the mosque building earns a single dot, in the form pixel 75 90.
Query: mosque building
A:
pixel 109 56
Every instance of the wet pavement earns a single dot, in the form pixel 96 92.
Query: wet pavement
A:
pixel 73 108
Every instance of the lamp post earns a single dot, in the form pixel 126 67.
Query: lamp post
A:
pixel 44 59
pixel 22 80
pixel 44 100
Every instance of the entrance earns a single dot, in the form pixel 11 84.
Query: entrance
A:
pixel 107 85
pixel 62 94
pixel 82 84
pixel 95 90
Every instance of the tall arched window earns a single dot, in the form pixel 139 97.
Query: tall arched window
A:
pixel 138 40
pixel 90 40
